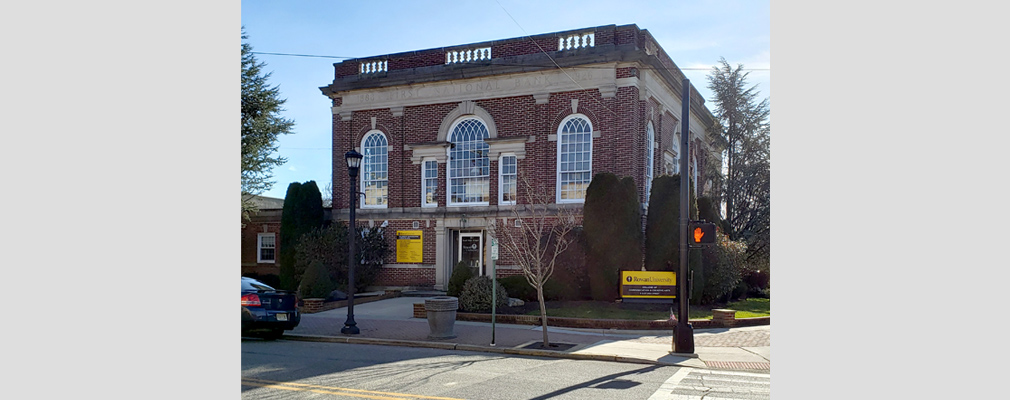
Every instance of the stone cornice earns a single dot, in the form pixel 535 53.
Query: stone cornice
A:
pixel 515 145
pixel 499 86
pixel 436 150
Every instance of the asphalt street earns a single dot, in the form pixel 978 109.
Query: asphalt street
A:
pixel 302 370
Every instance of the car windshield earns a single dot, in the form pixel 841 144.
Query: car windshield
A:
pixel 252 284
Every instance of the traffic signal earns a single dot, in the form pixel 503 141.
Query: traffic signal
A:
pixel 701 233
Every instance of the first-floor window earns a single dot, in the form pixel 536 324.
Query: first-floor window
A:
pixel 429 176
pixel 507 170
pixel 265 248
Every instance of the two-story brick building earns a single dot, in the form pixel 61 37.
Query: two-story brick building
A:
pixel 446 132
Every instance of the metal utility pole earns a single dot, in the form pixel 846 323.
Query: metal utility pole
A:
pixel 684 334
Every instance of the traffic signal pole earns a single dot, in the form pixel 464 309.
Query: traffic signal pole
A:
pixel 684 333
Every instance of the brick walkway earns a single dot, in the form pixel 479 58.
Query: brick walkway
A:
pixel 750 338
pixel 508 335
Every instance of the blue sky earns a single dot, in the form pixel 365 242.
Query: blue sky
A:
pixel 695 34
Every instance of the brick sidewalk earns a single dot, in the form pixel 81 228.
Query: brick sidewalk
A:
pixel 755 338
pixel 507 335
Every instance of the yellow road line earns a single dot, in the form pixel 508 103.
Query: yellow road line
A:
pixel 368 394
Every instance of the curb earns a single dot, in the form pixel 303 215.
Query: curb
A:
pixel 482 349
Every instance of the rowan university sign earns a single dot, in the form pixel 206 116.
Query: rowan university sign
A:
pixel 648 284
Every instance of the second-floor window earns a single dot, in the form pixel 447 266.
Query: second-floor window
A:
pixel 650 150
pixel 375 170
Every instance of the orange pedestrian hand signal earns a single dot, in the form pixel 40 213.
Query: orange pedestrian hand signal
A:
pixel 703 232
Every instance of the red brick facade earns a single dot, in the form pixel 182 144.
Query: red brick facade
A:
pixel 265 221
pixel 620 84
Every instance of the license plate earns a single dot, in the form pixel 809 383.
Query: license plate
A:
pixel 282 317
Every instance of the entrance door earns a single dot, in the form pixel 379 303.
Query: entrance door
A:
pixel 471 250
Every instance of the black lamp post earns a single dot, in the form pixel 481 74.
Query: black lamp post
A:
pixel 684 334
pixel 353 163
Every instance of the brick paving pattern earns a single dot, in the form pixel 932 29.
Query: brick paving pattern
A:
pixel 481 334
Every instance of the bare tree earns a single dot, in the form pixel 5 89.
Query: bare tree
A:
pixel 540 235
pixel 328 194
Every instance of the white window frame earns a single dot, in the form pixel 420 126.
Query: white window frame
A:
pixel 259 248
pixel 557 159
pixel 501 179
pixel 650 159
pixel 424 179
pixel 365 162
pixel 448 165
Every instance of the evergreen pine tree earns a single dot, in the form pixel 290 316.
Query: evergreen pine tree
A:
pixel 261 125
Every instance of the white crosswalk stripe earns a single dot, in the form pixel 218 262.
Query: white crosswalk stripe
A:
pixel 695 384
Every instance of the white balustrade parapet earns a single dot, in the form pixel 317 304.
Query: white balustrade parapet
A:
pixel 468 55
pixel 373 67
pixel 577 41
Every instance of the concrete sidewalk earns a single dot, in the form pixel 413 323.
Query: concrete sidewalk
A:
pixel 391 322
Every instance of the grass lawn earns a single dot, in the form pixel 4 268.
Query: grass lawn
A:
pixel 753 307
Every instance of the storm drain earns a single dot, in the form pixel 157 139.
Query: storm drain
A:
pixel 555 346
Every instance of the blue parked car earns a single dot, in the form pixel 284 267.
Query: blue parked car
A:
pixel 267 312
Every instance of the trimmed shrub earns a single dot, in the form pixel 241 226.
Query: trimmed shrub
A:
pixel 460 274
pixel 316 283
pixel 302 212
pixel 708 211
pixel 662 225
pixel 517 286
pixel 612 227
pixel 476 295
pixel 724 268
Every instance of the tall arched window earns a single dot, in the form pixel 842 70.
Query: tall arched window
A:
pixel 676 152
pixel 650 152
pixel 694 176
pixel 375 170
pixel 468 163
pixel 575 158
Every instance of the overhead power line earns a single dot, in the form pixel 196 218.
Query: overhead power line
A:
pixel 298 55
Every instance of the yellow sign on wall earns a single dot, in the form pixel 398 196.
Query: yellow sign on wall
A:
pixel 649 284
pixel 409 247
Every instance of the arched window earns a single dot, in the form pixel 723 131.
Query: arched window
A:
pixel 468 163
pixel 650 150
pixel 694 177
pixel 575 158
pixel 375 170
pixel 675 149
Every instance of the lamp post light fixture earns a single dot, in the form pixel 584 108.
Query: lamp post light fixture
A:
pixel 353 163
